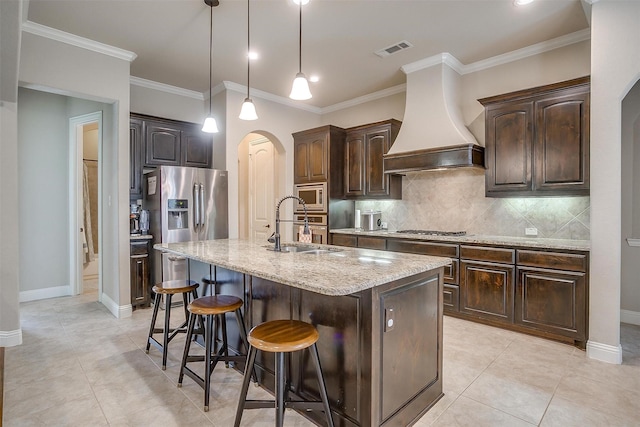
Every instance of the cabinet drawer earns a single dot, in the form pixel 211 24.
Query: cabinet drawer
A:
pixel 479 253
pixel 372 243
pixel 344 240
pixel 139 248
pixel 423 248
pixel 451 300
pixel 552 260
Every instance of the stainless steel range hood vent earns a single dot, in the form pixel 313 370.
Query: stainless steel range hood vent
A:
pixel 433 134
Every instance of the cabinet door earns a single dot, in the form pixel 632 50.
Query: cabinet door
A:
pixel 562 144
pixel 300 162
pixel 161 145
pixel 311 157
pixel 486 290
pixel 377 144
pixel 509 149
pixel 139 270
pixel 135 159
pixel 344 240
pixel 354 168
pixel 196 148
pixel 552 301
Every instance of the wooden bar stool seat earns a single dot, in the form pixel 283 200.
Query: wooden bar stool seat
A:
pixel 280 337
pixel 211 308
pixel 169 288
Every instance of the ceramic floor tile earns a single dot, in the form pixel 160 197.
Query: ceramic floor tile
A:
pixel 466 412
pixel 563 413
pixel 438 409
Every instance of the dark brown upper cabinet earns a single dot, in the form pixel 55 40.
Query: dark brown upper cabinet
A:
pixel 318 156
pixel 364 176
pixel 537 141
pixel 156 141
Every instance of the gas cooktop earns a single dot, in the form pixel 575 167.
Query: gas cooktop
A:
pixel 434 232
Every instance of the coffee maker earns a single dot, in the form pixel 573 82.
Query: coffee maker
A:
pixel 134 219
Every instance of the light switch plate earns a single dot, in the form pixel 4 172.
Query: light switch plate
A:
pixel 530 231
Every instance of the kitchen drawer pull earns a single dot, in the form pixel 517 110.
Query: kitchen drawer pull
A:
pixel 176 258
pixel 140 256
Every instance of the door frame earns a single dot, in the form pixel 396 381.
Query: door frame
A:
pixel 76 125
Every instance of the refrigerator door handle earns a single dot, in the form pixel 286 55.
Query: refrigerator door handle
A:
pixel 202 217
pixel 196 207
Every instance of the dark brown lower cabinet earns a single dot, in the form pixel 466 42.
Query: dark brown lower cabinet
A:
pixel 139 273
pixel 486 290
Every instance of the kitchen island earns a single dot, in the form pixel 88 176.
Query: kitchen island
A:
pixel 379 315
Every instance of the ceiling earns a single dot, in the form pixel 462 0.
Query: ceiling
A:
pixel 171 37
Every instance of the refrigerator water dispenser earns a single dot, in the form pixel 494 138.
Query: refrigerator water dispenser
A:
pixel 178 214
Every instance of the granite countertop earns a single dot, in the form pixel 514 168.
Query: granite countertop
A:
pixel 529 242
pixel 140 237
pixel 341 271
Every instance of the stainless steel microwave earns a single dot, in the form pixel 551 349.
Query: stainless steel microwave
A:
pixel 314 196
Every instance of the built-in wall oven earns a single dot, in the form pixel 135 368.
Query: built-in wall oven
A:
pixel 315 196
pixel 317 226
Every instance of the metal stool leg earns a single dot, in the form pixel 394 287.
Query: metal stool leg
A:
pixel 187 347
pixel 167 316
pixel 156 306
pixel 225 343
pixel 280 385
pixel 245 341
pixel 207 359
pixel 245 385
pixel 323 389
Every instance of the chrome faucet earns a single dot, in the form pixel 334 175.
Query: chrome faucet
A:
pixel 276 234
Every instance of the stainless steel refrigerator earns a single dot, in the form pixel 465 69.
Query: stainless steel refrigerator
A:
pixel 184 204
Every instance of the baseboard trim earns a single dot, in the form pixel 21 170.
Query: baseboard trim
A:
pixel 604 352
pixel 631 317
pixel 10 338
pixel 119 311
pixel 45 293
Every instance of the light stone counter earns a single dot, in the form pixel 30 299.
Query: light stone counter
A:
pixel 342 271
pixel 529 242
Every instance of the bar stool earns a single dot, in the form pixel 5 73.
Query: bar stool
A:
pixel 280 337
pixel 168 289
pixel 211 307
pixel 208 282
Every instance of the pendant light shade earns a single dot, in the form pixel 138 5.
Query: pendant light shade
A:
pixel 248 110
pixel 210 125
pixel 300 89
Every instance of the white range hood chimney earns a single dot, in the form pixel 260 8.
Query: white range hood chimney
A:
pixel 433 134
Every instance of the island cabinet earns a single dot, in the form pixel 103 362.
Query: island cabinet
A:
pixel 487 282
pixel 537 141
pixel 364 175
pixel 316 152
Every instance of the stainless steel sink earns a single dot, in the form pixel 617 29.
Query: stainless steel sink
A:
pixel 305 249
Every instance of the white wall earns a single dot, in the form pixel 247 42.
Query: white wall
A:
pixel 160 103
pixel 390 107
pixel 73 71
pixel 630 263
pixel 615 67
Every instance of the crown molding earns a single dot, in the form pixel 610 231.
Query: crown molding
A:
pixel 460 68
pixel 72 39
pixel 256 93
pixel 365 98
pixel 150 84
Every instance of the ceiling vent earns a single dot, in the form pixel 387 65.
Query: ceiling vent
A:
pixel 390 50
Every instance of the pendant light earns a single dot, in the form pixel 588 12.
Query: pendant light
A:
pixel 300 89
pixel 248 110
pixel 210 125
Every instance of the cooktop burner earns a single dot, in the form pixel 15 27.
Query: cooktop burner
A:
pixel 434 232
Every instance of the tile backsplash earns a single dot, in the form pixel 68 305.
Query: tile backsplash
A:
pixel 453 200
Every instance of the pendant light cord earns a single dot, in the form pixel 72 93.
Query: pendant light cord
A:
pixel 300 41
pixel 248 47
pixel 210 56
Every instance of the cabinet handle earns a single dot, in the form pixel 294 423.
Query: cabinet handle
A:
pixel 139 256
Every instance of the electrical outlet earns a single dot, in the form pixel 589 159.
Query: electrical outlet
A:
pixel 530 231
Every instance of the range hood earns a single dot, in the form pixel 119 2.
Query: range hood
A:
pixel 433 134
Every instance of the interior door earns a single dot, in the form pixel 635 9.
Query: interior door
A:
pixel 261 189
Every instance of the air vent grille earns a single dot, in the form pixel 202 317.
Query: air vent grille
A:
pixel 395 48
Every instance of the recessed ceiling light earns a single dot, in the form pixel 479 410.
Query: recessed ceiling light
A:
pixel 301 1
pixel 253 55
pixel 522 2
pixel 314 78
